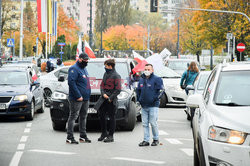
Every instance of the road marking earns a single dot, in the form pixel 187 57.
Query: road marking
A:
pixel 173 141
pixel 27 130
pixel 24 138
pixel 172 121
pixel 161 132
pixel 28 124
pixel 138 160
pixel 20 146
pixel 52 152
pixel 189 152
pixel 16 158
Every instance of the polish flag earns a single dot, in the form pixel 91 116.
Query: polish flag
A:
pixel 42 15
pixel 141 62
pixel 88 50
pixel 34 76
pixel 137 57
pixel 79 48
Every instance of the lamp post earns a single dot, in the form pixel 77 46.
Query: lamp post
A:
pixel 21 33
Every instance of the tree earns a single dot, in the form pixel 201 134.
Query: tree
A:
pixel 30 24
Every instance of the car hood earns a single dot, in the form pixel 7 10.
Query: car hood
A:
pixel 11 90
pixel 236 118
pixel 171 81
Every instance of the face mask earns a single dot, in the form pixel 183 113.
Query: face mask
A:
pixel 107 70
pixel 83 64
pixel 147 73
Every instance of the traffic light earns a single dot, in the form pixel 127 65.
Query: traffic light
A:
pixel 34 48
pixel 153 5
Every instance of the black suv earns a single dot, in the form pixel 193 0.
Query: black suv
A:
pixel 128 110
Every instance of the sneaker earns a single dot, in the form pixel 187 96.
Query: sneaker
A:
pixel 155 143
pixel 144 143
pixel 102 137
pixel 109 139
pixel 71 141
pixel 84 140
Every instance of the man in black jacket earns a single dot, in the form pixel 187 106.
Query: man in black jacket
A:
pixel 110 89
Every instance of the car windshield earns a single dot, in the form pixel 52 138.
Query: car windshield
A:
pixel 96 70
pixel 202 81
pixel 167 73
pixel 233 88
pixel 178 65
pixel 13 78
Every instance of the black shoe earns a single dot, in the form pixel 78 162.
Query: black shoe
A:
pixel 109 139
pixel 71 141
pixel 155 143
pixel 84 139
pixel 102 137
pixel 144 143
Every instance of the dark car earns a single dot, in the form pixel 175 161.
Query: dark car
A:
pixel 20 95
pixel 128 109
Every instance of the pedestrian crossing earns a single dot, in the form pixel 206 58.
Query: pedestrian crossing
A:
pixel 177 141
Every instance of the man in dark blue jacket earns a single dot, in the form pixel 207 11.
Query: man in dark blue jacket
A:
pixel 79 94
pixel 148 94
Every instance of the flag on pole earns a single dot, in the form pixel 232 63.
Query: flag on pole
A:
pixel 137 57
pixel 79 48
pixel 42 15
pixel 88 50
pixel 49 15
pixel 141 62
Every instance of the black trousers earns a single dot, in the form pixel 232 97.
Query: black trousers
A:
pixel 107 111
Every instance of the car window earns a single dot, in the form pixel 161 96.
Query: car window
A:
pixel 13 78
pixel 57 73
pixel 202 81
pixel 167 73
pixel 177 65
pixel 233 87
pixel 64 72
pixel 209 86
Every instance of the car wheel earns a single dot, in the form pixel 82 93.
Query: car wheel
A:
pixel 59 126
pixel 32 111
pixel 196 159
pixel 47 95
pixel 163 101
pixel 130 125
pixel 41 110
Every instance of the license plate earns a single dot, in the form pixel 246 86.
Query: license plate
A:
pixel 92 111
pixel 2 107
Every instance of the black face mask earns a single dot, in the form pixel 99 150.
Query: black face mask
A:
pixel 83 64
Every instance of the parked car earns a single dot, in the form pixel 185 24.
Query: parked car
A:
pixel 197 88
pixel 181 65
pixel 50 82
pixel 20 95
pixel 173 94
pixel 128 107
pixel 221 127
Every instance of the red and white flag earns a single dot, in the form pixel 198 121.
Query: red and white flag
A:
pixel 79 48
pixel 42 15
pixel 34 76
pixel 141 62
pixel 137 57
pixel 88 50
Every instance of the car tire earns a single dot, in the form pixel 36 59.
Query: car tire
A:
pixel 196 158
pixel 59 126
pixel 41 110
pixel 163 101
pixel 47 95
pixel 130 125
pixel 32 111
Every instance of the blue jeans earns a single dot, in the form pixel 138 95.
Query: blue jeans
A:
pixel 150 116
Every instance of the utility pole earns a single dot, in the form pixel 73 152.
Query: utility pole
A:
pixel 148 39
pixel 90 26
pixel 178 33
pixel 101 28
pixel 21 33
pixel 211 59
pixel 0 27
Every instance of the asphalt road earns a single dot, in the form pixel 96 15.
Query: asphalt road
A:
pixel 35 143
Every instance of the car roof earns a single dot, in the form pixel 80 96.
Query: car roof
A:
pixel 19 69
pixel 182 60
pixel 236 66
pixel 117 60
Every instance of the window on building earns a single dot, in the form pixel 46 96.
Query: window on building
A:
pixel 13 16
pixel 88 4
pixel 146 0
pixel 146 6
pixel 14 8
pixel 88 18
pixel 173 1
pixel 13 25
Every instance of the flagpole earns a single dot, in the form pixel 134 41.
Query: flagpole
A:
pixel 21 33
pixel 49 43
pixel 46 45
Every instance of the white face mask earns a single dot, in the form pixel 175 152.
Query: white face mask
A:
pixel 147 73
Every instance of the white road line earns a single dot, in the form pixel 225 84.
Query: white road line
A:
pixel 28 124
pixel 27 130
pixel 20 146
pixel 52 152
pixel 189 152
pixel 172 121
pixel 24 138
pixel 161 132
pixel 173 141
pixel 138 160
pixel 16 158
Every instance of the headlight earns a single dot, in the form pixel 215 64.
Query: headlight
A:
pixel 21 97
pixel 58 95
pixel 226 135
pixel 122 95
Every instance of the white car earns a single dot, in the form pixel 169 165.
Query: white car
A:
pixel 221 124
pixel 173 93
pixel 50 81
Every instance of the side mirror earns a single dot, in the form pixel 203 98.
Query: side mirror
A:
pixel 193 101
pixel 61 78
pixel 190 87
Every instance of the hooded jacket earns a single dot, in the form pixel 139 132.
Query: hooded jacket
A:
pixel 78 81
pixel 148 90
pixel 191 77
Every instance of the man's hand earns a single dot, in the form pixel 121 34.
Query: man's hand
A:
pixel 105 96
pixel 80 99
